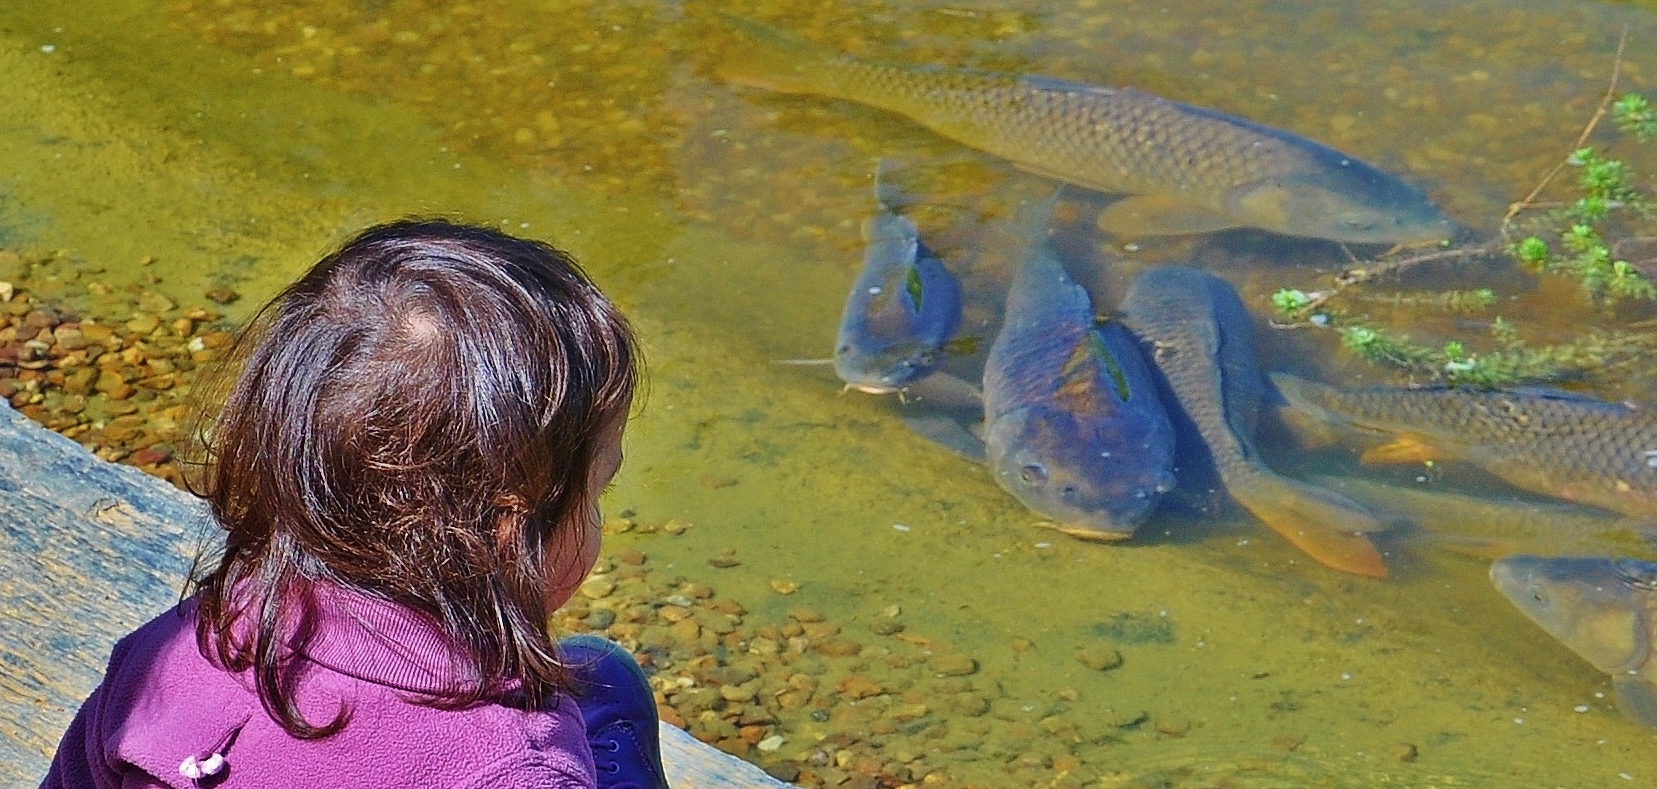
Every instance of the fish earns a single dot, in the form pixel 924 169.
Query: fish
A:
pixel 1073 426
pixel 1183 169
pixel 1600 607
pixel 1198 335
pixel 903 306
pixel 1491 527
pixel 1560 444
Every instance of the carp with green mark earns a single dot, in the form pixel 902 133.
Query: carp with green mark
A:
pixel 1073 425
pixel 1201 342
pixel 1602 608
pixel 1560 444
pixel 1183 169
pixel 902 309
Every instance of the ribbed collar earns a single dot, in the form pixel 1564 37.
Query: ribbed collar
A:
pixel 379 641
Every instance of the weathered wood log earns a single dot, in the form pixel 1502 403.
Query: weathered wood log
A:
pixel 89 550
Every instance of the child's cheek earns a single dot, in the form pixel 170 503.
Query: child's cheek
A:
pixel 570 563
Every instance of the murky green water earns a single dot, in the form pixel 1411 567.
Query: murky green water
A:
pixel 233 141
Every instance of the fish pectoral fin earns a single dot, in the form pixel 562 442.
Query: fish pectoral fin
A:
pixel 942 390
pixel 1160 215
pixel 1325 525
pixel 1403 449
pixel 1636 698
pixel 949 434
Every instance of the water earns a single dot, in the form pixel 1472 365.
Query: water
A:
pixel 233 141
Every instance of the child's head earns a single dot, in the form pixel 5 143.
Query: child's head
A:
pixel 428 416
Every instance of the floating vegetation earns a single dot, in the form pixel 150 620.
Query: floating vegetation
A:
pixel 1587 239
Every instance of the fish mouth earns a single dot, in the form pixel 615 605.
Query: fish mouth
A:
pixel 874 389
pixel 1088 533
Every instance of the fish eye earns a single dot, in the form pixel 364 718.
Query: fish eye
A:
pixel 1033 474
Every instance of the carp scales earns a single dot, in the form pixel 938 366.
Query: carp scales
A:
pixel 1201 343
pixel 1600 607
pixel 1564 445
pixel 1184 169
pixel 903 306
pixel 1073 425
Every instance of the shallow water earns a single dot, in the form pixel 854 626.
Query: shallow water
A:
pixel 233 141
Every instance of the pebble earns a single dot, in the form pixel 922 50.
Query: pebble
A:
pixel 1099 657
pixel 952 665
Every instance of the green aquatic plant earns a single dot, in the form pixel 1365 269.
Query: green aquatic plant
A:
pixel 1574 238
pixel 1634 115
pixel 1507 360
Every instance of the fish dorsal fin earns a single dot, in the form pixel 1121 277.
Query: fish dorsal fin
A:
pixel 1636 698
pixel 1161 215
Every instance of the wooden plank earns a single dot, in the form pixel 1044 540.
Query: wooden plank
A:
pixel 90 550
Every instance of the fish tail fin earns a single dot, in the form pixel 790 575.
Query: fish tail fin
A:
pixel 773 59
pixel 1310 423
pixel 1324 524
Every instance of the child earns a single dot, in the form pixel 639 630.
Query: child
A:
pixel 408 471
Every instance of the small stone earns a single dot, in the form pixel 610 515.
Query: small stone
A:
pixel 787 772
pixel 632 556
pixel 597 587
pixel 1099 657
pixel 904 713
pixel 599 618
pixel 222 295
pixel 724 562
pixel 886 627
pixel 783 587
pixel 950 665
pixel 1406 752
pixel 741 694
pixel 673 613
pixel 859 687
pixel 151 301
pixel 804 615
pixel 839 647
pixel 770 744
pixel 676 527
pixel 143 324
pixel 685 631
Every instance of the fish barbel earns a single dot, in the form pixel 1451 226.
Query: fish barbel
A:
pixel 902 308
pixel 1073 425
pixel 1185 169
pixel 1201 342
pixel 1600 607
pixel 1565 445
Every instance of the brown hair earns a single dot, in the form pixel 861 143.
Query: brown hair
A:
pixel 415 420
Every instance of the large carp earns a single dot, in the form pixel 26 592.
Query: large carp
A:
pixel 1185 169
pixel 1200 339
pixel 1600 607
pixel 902 308
pixel 1564 445
pixel 1073 426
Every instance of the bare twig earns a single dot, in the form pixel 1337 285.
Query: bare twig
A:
pixel 1599 113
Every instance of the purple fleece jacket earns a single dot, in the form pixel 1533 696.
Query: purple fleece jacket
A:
pixel 162 703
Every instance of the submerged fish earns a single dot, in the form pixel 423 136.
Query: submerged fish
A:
pixel 1564 445
pixel 902 308
pixel 1493 527
pixel 1202 345
pixel 1186 169
pixel 1073 425
pixel 1600 607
